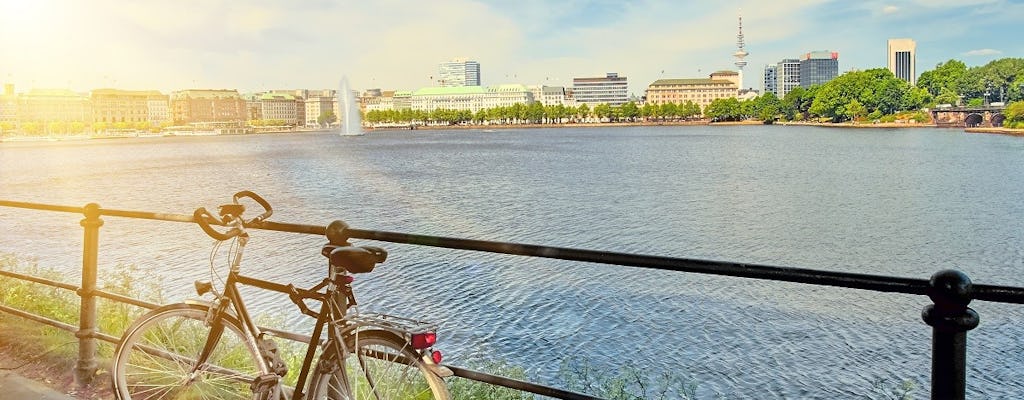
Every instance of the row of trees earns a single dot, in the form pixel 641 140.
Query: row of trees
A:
pixel 952 82
pixel 536 113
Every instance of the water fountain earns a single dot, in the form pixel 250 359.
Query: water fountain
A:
pixel 350 120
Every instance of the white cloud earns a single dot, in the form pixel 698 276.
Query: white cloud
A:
pixel 982 52
pixel 890 9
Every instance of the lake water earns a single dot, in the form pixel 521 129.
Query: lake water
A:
pixel 879 201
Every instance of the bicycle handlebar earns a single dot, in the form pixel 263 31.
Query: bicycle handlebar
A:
pixel 203 217
pixel 267 210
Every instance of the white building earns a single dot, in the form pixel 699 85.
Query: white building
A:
pixel 549 95
pixel 610 89
pixel 279 106
pixel 158 110
pixel 459 72
pixel 787 75
pixel 473 98
pixel 903 59
pixel 317 103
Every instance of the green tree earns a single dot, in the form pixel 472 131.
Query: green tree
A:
pixel 724 109
pixel 328 117
pixel 629 111
pixel 534 112
pixel 768 107
pixel 944 78
pixel 602 111
pixel 1014 114
pixel 689 110
pixel 669 110
pixel 583 111
pixel 994 81
pixel 855 110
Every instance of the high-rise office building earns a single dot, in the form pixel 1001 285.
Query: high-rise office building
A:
pixel 787 76
pixel 903 59
pixel 610 89
pixel 459 72
pixel 818 67
pixel 771 79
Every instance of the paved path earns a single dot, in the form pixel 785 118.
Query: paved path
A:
pixel 14 386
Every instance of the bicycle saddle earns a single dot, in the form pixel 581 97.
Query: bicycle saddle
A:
pixel 354 259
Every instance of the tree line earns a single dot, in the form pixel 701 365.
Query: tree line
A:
pixel 537 113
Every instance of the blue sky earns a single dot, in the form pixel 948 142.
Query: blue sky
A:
pixel 263 44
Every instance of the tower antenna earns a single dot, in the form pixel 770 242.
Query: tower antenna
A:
pixel 740 53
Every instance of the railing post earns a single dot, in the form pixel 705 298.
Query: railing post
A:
pixel 86 368
pixel 950 319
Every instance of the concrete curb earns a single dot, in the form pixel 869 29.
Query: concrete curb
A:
pixel 14 386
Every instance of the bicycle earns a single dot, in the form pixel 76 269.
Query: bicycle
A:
pixel 214 350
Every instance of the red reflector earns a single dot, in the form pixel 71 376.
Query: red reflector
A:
pixel 348 278
pixel 423 340
pixel 436 356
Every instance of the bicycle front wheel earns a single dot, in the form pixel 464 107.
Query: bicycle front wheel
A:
pixel 382 366
pixel 156 358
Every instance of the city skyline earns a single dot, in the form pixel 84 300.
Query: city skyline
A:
pixel 268 45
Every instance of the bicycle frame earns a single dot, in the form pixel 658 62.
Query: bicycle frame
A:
pixel 335 300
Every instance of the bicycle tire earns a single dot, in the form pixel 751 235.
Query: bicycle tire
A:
pixel 155 354
pixel 400 374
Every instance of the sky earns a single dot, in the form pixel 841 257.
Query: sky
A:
pixel 257 45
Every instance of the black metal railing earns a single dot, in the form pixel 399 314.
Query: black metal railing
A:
pixel 949 316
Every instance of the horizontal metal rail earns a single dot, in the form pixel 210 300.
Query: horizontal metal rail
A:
pixel 879 283
pixel 951 291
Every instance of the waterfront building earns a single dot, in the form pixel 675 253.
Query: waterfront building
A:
pixel 280 106
pixel 383 101
pixel 207 105
pixel 459 72
pixel 702 91
pixel 506 95
pixel 158 109
pixel 317 103
pixel 300 102
pixel 403 100
pixel 770 79
pixel 548 95
pixel 610 89
pixel 113 106
pixel 903 59
pixel 818 67
pixel 54 105
pixel 787 73
pixel 472 98
pixel 253 109
pixel 8 108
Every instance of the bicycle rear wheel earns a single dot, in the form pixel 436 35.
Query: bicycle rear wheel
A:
pixel 157 353
pixel 382 367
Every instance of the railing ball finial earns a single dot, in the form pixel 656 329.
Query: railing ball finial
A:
pixel 950 288
pixel 91 211
pixel 337 232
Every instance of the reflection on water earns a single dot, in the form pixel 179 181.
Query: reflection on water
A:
pixel 896 202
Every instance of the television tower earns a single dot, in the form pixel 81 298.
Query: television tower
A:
pixel 740 53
